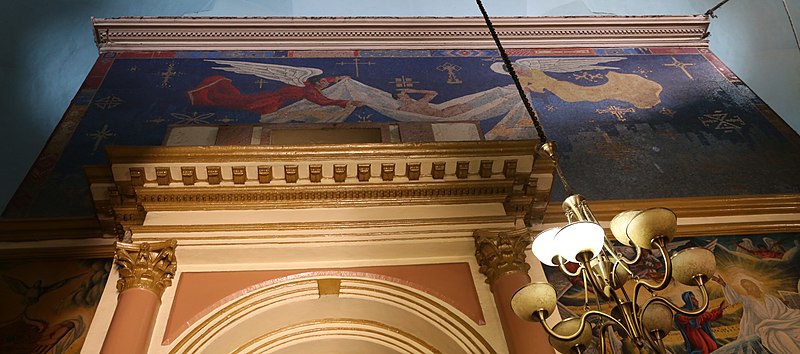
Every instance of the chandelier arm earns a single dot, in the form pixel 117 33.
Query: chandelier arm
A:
pixel 605 328
pixel 628 261
pixel 600 286
pixel 583 317
pixel 534 117
pixel 566 271
pixel 661 245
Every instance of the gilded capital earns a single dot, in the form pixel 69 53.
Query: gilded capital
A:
pixel 145 265
pixel 500 253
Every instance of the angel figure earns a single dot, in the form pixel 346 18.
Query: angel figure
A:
pixel 630 88
pixel 303 83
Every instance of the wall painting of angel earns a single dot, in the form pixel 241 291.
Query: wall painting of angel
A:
pixel 754 297
pixel 629 112
pixel 47 306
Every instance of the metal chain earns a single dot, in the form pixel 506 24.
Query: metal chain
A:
pixel 510 68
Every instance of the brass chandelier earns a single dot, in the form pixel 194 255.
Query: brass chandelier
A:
pixel 642 315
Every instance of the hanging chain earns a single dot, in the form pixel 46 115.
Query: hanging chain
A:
pixel 514 77
pixel 710 11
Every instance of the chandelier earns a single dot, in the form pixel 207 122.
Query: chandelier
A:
pixel 581 249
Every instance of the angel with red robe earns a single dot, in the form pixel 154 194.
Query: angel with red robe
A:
pixel 303 83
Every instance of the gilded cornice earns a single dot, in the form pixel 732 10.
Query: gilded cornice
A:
pixel 137 155
pixel 41 229
pixel 149 266
pixel 691 207
pixel 500 253
pixel 330 195
pixel 296 33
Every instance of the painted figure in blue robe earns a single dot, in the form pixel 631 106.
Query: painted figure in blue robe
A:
pixel 696 330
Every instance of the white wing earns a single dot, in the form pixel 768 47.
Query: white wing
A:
pixel 560 65
pixel 292 75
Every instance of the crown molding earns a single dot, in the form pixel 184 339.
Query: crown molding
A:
pixel 304 33
pixel 41 229
pixel 317 152
pixel 706 216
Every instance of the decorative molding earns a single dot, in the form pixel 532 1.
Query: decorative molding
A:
pixel 137 155
pixel 349 33
pixel 146 266
pixel 501 253
pixel 691 207
pixel 323 195
pixel 40 229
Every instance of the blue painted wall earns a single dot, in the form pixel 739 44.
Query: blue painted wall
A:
pixel 48 48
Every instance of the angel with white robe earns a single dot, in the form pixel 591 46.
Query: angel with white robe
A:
pixel 303 83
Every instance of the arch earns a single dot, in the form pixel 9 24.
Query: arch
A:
pixel 278 307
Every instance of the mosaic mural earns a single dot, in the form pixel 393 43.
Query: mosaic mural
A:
pixel 755 300
pixel 47 306
pixel 632 123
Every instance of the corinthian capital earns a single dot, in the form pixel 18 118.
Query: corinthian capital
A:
pixel 500 253
pixel 145 265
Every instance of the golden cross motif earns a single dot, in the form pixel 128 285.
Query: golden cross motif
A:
pixel 681 65
pixel 168 74
pixel 404 82
pixel 616 112
pixel 451 70
pixel 356 62
pixel 100 135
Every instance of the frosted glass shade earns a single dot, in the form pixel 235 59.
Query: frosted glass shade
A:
pixel 692 262
pixel 657 317
pixel 532 298
pixel 619 226
pixel 569 327
pixel 544 246
pixel 651 223
pixel 579 237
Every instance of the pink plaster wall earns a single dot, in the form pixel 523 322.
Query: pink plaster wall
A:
pixel 200 293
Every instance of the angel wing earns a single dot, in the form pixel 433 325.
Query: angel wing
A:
pixel 292 75
pixel 560 65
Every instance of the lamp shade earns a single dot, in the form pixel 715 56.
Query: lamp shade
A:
pixel 544 246
pixel 619 226
pixel 532 298
pixel 569 327
pixel 657 317
pixel 579 237
pixel 650 224
pixel 693 262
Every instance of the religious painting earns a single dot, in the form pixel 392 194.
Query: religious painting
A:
pixel 47 306
pixel 618 115
pixel 754 297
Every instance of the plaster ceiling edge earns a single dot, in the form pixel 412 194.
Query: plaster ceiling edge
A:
pixel 306 33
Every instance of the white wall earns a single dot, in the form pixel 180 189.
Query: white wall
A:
pixel 48 48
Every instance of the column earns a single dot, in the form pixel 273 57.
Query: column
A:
pixel 501 256
pixel 145 270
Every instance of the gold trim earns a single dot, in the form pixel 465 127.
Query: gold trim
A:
pixel 69 252
pixel 501 253
pixel 387 172
pixel 41 229
pixel 275 33
pixel 327 225
pixel 692 207
pixel 239 174
pixel 323 195
pixel 188 175
pixel 264 174
pixel 329 286
pixel 138 155
pixel 146 266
